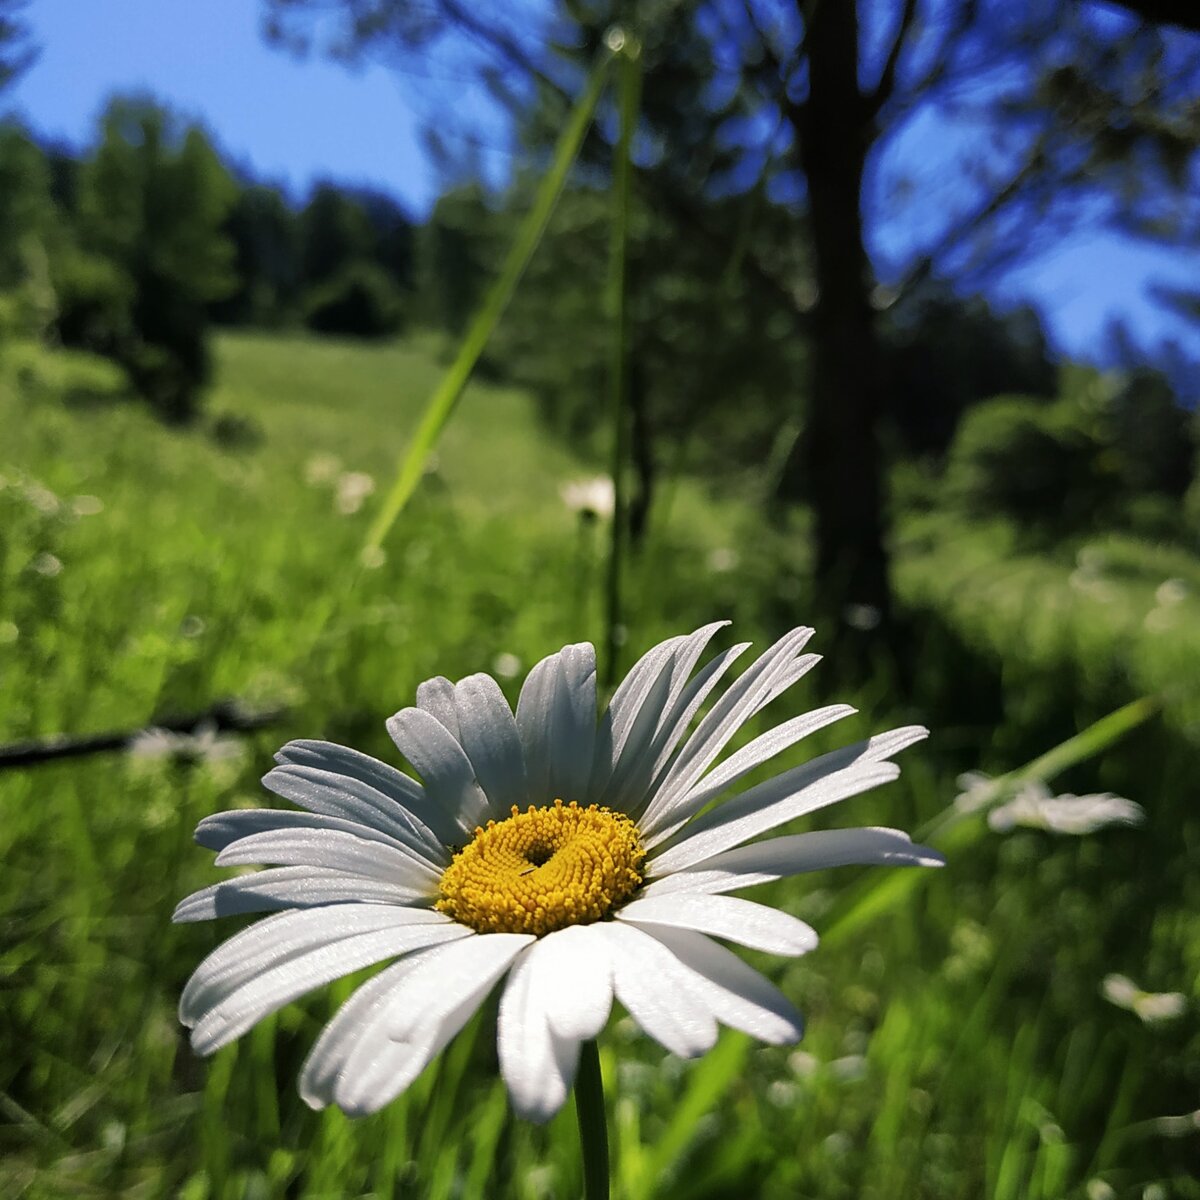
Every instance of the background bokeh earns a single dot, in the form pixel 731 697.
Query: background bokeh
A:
pixel 909 352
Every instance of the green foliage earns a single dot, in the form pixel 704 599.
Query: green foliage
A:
pixel 360 301
pixel 458 252
pixel 266 240
pixel 152 203
pixel 944 353
pixel 957 1045
pixel 713 358
pixel 1037 463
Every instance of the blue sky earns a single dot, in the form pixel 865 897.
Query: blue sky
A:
pixel 295 121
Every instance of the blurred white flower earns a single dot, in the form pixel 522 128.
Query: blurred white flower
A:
pixel 1036 807
pixel 47 564
pixel 203 745
pixel 87 506
pixel 353 487
pixel 8 633
pixel 321 469
pixel 1171 591
pixel 976 791
pixel 864 617
pixel 1097 1189
pixel 507 666
pixel 592 497
pixel 1149 1007
pixel 372 557
pixel 41 498
pixel 722 559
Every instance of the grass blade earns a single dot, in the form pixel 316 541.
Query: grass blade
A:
pixel 453 383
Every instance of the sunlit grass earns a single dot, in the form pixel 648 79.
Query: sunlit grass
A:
pixel 958 1045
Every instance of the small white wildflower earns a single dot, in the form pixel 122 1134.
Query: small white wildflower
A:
pixel 722 559
pixel 1171 591
pixel 203 745
pixel 321 469
pixel 42 498
pixel 592 497
pixel 977 791
pixel 87 506
pixel 783 1093
pixel 1097 1189
pixel 803 1064
pixel 864 617
pixel 1149 1007
pixel 353 487
pixel 47 564
pixel 507 666
pixel 850 1068
pixel 372 557
pixel 1035 807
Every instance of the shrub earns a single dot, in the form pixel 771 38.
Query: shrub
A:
pixel 1038 464
pixel 361 301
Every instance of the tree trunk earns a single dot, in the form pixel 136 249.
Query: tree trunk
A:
pixel 840 451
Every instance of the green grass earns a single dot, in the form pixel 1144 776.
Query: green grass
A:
pixel 957 1045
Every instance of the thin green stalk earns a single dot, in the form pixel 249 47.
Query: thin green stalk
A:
pixel 453 383
pixel 593 1128
pixel 629 97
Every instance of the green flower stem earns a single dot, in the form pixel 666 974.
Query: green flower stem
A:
pixel 593 1129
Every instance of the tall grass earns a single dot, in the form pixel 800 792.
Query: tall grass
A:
pixel 957 1042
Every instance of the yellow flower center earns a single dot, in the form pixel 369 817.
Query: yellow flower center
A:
pixel 543 869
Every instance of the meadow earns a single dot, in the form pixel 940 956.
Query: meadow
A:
pixel 958 1044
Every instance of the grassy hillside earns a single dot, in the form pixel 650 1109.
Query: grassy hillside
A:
pixel 958 1045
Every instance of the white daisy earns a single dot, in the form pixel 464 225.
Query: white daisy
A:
pixel 579 860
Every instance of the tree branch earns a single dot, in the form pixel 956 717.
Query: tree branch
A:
pixel 887 79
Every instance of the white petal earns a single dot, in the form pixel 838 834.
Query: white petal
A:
pixel 575 980
pixel 288 887
pixel 275 939
pixel 341 760
pixel 575 722
pixel 350 799
pixel 764 862
pixel 436 697
pixel 488 733
pixel 650 675
pixel 271 989
pixel 739 703
pixel 634 752
pixel 538 1065
pixel 556 717
pixel 676 724
pixel 442 764
pixel 755 925
pixel 354 1023
pixel 419 1015
pixel 824 780
pixel 220 830
pixel 332 851
pixel 649 980
pixel 658 724
pixel 284 936
pixel 795 670
pixel 764 808
pixel 670 816
pixel 737 994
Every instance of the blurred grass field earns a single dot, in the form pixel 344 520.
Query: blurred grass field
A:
pixel 958 1047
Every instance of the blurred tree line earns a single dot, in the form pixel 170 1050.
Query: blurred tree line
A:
pixel 766 352
pixel 778 157
pixel 133 249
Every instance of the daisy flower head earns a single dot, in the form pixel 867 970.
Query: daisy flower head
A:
pixel 578 859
